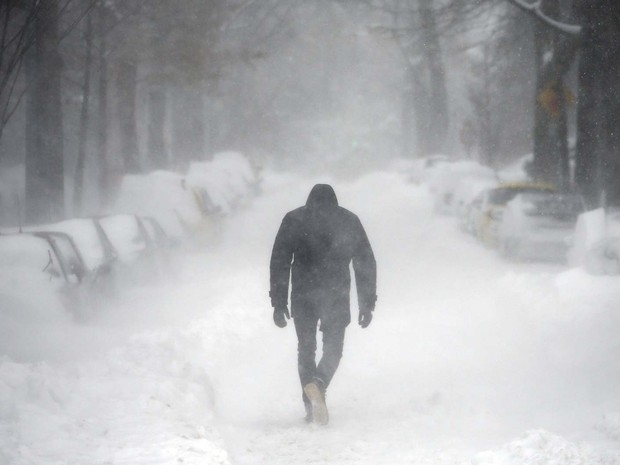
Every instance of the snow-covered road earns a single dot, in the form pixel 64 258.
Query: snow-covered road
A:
pixel 469 359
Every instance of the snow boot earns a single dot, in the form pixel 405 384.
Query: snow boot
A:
pixel 316 395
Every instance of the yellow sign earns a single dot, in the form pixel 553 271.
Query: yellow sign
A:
pixel 550 100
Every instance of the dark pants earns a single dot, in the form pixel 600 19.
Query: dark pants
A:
pixel 333 342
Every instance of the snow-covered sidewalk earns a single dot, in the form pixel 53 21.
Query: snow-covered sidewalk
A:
pixel 469 359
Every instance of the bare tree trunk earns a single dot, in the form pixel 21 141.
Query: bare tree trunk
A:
pixel 408 119
pixel 44 131
pixel 102 100
pixel 126 90
pixel 188 127
pixel 436 84
pixel 16 39
pixel 421 112
pixel 156 144
pixel 487 129
pixel 598 113
pixel 157 105
pixel 550 120
pixel 78 193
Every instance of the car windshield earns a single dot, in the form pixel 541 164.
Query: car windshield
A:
pixel 563 207
pixel 124 233
pixel 72 260
pixel 26 255
pixel 503 195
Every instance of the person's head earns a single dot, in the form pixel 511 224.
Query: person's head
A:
pixel 322 196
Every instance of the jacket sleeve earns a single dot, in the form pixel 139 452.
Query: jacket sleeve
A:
pixel 280 265
pixel 365 268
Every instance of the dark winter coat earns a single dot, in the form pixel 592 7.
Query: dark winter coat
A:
pixel 315 246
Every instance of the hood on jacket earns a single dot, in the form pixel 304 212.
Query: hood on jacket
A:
pixel 322 196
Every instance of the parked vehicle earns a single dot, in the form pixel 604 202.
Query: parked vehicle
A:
pixel 156 233
pixel 128 236
pixel 46 263
pixel 539 225
pixel 487 209
pixel 94 245
pixel 465 193
pixel 141 255
pixel 71 262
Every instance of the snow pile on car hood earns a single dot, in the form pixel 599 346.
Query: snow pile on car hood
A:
pixel 163 195
pixel 517 171
pixel 228 179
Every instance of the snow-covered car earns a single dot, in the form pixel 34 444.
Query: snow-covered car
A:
pixel 46 263
pixel 465 193
pixel 163 195
pixel 140 257
pixel 156 233
pixel 128 236
pixel 94 245
pixel 488 207
pixel 223 184
pixel 539 225
pixel 446 178
pixel 71 260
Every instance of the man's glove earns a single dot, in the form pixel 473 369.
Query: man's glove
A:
pixel 365 317
pixel 280 315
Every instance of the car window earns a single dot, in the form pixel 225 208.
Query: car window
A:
pixel 30 255
pixel 110 251
pixel 71 260
pixel 560 207
pixel 503 195
pixel 125 234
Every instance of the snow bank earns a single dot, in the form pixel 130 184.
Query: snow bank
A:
pixel 32 314
pixel 539 447
pixel 34 299
pixel 596 246
pixel 148 402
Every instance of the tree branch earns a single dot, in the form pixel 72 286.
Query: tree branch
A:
pixel 534 9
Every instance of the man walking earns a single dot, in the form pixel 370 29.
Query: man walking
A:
pixel 314 246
